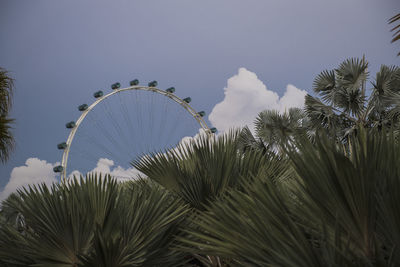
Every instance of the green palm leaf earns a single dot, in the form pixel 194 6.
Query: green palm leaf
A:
pixel 142 232
pixel 6 138
pixel 352 73
pixel 258 229
pixel 247 141
pixel 389 215
pixel 395 29
pixel 351 77
pixel 324 84
pixel 278 129
pixel 322 116
pixel 382 106
pixel 342 187
pixel 6 91
pixel 203 170
pixel 92 222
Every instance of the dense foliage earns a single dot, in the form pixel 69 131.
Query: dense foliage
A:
pixel 323 203
pixel 92 222
pixel 343 103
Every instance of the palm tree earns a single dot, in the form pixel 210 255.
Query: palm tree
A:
pixel 274 131
pixel 92 222
pixel 342 104
pixel 395 29
pixel 278 129
pixel 341 210
pixel 6 137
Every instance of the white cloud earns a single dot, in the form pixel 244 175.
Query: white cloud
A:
pixel 293 97
pixel 246 96
pixel 105 166
pixel 188 140
pixel 34 171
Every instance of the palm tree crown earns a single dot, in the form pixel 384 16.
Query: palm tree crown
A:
pixel 343 103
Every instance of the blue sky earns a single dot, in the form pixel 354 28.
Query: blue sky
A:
pixel 60 52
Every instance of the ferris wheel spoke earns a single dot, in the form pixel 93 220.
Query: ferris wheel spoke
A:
pixel 102 148
pixel 128 121
pixel 104 131
pixel 151 122
pixel 163 122
pixel 175 124
pixel 139 120
pixel 117 128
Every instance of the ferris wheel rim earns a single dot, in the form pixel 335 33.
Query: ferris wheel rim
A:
pixel 178 100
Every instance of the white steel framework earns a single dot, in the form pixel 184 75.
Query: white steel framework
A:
pixel 178 100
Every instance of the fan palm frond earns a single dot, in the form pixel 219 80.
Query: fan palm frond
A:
pixel 6 138
pixel 142 232
pixel 350 86
pixel 203 170
pixel 395 29
pixel 258 229
pixel 352 74
pixel 247 141
pixel 321 115
pixel 278 129
pixel 6 91
pixel 92 222
pixel 324 84
pixel 381 108
pixel 342 187
pixel 350 101
pixel 389 214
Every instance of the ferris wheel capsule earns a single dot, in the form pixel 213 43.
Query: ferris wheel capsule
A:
pixel 115 86
pixel 170 90
pixel 98 94
pixel 213 130
pixel 152 84
pixel 62 145
pixel 201 113
pixel 70 125
pixel 187 99
pixel 58 168
pixel 83 107
pixel 134 82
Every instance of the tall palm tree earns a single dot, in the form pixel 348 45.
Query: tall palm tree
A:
pixel 92 222
pixel 6 137
pixel 342 103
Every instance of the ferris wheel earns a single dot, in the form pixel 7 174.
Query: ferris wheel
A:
pixel 128 123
